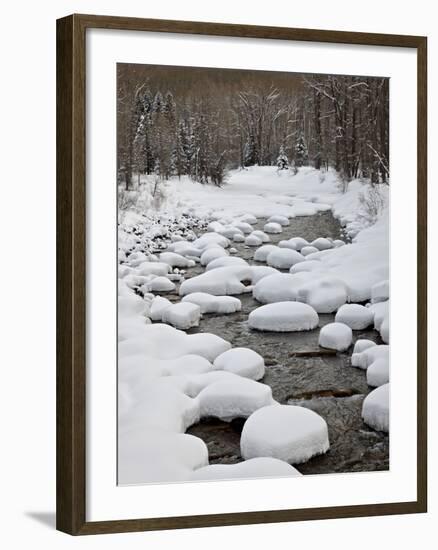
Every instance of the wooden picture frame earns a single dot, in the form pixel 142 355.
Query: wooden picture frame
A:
pixel 71 273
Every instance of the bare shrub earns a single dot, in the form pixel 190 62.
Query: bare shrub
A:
pixel 219 172
pixel 126 200
pixel 372 201
pixel 342 182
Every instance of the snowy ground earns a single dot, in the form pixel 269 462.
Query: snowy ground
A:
pixel 183 239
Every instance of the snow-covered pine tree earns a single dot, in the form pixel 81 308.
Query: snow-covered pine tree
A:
pixel 282 160
pixel 250 157
pixel 175 164
pixel 204 149
pixel 144 157
pixel 218 170
pixel 301 154
pixel 157 104
pixel 147 101
pixel 148 151
pixel 183 155
pixel 169 106
pixel 157 167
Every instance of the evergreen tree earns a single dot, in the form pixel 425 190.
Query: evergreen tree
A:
pixel 144 157
pixel 157 167
pixel 147 101
pixel 301 154
pixel 184 150
pixel 250 157
pixel 175 163
pixel 157 103
pixel 169 107
pixel 282 160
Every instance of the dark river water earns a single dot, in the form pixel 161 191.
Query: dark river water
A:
pixel 300 373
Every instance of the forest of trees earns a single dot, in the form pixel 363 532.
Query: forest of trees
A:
pixel 203 122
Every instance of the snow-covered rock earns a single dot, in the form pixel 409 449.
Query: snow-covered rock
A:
pixel 248 218
pixel 378 373
pixel 363 344
pixel 380 292
pixel 261 235
pixel 136 281
pixel 183 315
pixel 322 243
pixel 186 364
pixel 297 243
pixel 261 254
pixel 225 261
pixel 229 231
pixel 193 385
pixel 160 284
pixel 175 237
pixel 306 250
pixel 184 248
pixel 362 263
pixel 158 456
pixel 259 272
pixel 176 260
pixel 242 361
pixel 272 228
pixel 123 270
pixel 235 397
pixel 253 240
pixel 153 268
pixel 287 244
pixel 219 282
pixel 244 227
pixel 215 226
pixel 308 265
pixel 335 336
pixel 324 293
pixel 384 330
pixel 239 238
pixel 165 342
pixel 131 304
pixel 280 287
pixel 158 306
pixel 283 317
pixel 338 242
pixel 129 326
pixel 290 433
pixel 211 239
pixel 248 469
pixel 375 409
pixel 214 304
pixel 213 253
pixel 284 258
pixel 380 311
pixel 164 407
pixel 357 317
pixel 137 258
pixel 277 218
pixel 364 359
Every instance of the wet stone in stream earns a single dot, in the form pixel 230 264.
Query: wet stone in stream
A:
pixel 299 373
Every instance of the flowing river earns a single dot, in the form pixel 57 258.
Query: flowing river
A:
pixel 299 372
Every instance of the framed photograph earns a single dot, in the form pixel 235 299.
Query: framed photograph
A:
pixel 241 274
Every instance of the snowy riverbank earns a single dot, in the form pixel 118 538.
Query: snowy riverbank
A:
pixel 168 379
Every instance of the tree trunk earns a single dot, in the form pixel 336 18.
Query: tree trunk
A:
pixel 317 124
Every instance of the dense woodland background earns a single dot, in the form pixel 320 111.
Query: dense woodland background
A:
pixel 199 122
